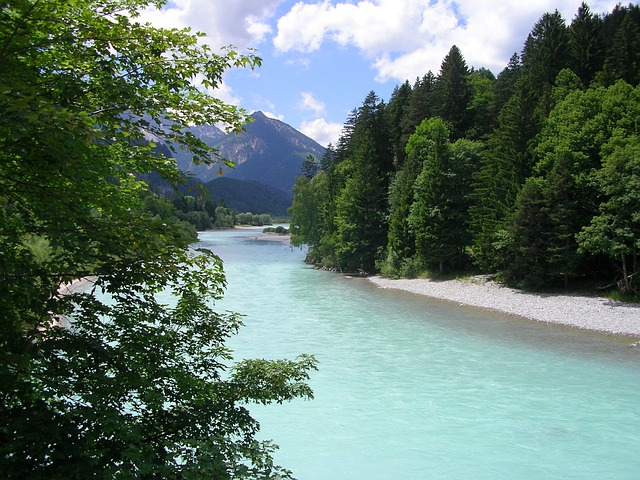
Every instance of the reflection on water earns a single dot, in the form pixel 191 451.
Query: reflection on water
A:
pixel 414 388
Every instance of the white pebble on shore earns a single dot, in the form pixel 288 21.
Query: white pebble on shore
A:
pixel 591 313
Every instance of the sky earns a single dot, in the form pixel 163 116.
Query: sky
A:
pixel 320 58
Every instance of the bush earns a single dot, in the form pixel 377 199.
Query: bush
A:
pixel 280 230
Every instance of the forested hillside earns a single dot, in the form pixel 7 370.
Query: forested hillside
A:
pixel 533 174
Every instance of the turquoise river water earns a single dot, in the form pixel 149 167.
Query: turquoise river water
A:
pixel 411 388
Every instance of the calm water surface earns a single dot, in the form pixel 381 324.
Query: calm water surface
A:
pixel 411 388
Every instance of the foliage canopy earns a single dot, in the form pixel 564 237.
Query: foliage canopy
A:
pixel 110 382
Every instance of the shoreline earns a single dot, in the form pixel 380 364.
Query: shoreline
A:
pixel 274 237
pixel 264 236
pixel 596 314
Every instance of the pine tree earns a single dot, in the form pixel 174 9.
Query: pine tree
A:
pixel 438 215
pixel 361 206
pixel 421 105
pixel 453 92
pixel 545 53
pixel 505 164
pixel 546 50
pixel 619 29
pixel 623 59
pixel 371 134
pixel 564 218
pixel 346 135
pixel 360 221
pixel 586 44
pixel 310 166
pixel 527 231
pixel 397 112
pixel 505 84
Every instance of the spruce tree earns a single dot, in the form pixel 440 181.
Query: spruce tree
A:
pixel 586 44
pixel 361 206
pixel 453 93
pixel 397 112
pixel 545 53
pixel 505 84
pixel 623 59
pixel 527 252
pixel 620 32
pixel 505 164
pixel 438 215
pixel 421 104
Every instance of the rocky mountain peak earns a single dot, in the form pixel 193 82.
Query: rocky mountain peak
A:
pixel 269 151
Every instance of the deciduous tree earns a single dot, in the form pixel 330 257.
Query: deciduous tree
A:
pixel 615 231
pixel 116 385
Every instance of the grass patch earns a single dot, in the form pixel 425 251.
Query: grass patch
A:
pixel 622 297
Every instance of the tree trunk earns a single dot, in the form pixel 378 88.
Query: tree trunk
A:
pixel 626 286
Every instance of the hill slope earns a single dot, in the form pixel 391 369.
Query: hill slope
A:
pixel 248 196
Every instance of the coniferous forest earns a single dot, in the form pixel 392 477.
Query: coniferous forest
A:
pixel 533 174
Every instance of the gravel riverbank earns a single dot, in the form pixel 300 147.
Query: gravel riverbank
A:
pixel 77 285
pixel 591 313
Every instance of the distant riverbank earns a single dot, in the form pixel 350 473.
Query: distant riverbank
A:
pixel 585 312
pixel 268 236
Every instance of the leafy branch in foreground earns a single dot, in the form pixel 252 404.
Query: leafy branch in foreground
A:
pixel 129 387
pixel 110 382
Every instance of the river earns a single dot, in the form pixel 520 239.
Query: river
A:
pixel 411 388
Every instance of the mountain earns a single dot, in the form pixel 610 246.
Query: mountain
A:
pixel 268 151
pixel 248 196
pixel 210 134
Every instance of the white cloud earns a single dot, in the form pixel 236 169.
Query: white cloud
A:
pixel 298 62
pixel 242 23
pixel 225 93
pixel 369 26
pixel 257 29
pixel 406 38
pixel 273 115
pixel 309 102
pixel 257 102
pixel 322 131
